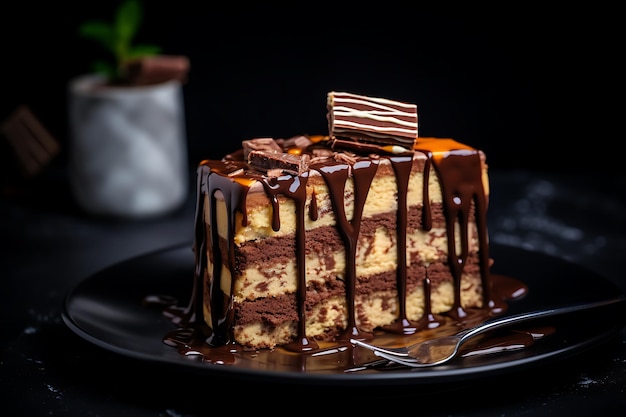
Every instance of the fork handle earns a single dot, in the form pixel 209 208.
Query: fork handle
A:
pixel 524 317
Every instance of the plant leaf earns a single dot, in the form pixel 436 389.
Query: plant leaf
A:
pixel 117 38
pixel 127 20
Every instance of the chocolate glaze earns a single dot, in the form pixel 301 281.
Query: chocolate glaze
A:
pixel 460 176
pixel 402 168
pixel 293 187
pixel 459 171
pixel 336 176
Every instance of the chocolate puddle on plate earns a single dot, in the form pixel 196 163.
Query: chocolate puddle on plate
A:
pixel 341 356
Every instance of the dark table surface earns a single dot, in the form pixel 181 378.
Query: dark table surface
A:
pixel 49 246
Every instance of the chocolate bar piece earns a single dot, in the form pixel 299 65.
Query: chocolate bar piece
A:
pixel 274 163
pixel 372 120
pixel 259 144
pixel 34 146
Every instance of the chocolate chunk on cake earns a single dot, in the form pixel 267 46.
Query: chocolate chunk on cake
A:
pixel 326 238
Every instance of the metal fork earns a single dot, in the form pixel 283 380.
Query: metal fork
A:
pixel 440 350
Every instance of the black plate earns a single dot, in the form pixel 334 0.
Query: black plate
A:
pixel 106 309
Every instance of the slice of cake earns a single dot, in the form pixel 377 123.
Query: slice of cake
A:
pixel 327 238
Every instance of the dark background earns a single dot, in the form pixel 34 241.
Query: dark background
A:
pixel 537 88
pixel 533 87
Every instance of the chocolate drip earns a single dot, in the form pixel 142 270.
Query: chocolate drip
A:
pixel 222 309
pixel 313 210
pixel 336 176
pixel 294 187
pixel 427 218
pixel 402 167
pixel 460 178
pixel 429 320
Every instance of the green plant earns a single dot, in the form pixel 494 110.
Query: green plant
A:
pixel 117 38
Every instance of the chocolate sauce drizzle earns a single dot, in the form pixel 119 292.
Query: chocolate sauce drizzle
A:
pixel 294 187
pixel 460 175
pixel 402 168
pixel 460 178
pixel 336 177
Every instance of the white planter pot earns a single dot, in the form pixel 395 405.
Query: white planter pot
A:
pixel 128 152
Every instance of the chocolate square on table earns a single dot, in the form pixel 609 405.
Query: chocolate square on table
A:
pixel 32 143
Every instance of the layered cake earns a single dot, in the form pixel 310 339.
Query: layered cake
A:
pixel 326 238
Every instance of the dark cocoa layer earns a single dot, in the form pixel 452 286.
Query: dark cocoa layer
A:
pixel 273 311
pixel 324 240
